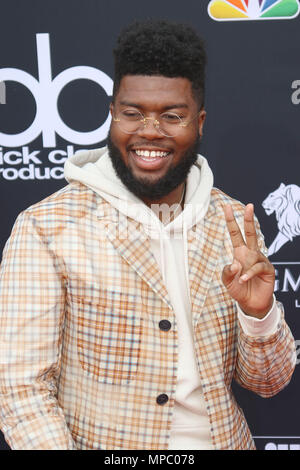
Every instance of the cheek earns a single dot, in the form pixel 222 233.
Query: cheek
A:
pixel 184 142
pixel 119 139
pixel 115 134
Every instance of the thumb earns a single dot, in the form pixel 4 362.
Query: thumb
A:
pixel 230 272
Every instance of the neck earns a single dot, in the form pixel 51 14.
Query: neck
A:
pixel 168 207
pixel 174 197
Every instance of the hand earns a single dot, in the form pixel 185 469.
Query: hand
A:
pixel 250 278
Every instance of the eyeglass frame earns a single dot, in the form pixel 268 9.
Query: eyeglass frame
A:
pixel 156 123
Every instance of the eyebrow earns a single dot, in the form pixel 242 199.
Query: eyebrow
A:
pixel 166 108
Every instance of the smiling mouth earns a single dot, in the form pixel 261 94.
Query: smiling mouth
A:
pixel 150 155
pixel 150 159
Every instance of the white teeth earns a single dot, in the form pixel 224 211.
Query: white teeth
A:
pixel 152 154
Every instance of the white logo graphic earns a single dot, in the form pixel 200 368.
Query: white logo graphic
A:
pixel 296 94
pixel 273 446
pixel 46 92
pixel 285 202
pixel 2 93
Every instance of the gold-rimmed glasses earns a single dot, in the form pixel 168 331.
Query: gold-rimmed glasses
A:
pixel 169 124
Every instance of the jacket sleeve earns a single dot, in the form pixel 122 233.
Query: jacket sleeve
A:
pixel 32 298
pixel 265 364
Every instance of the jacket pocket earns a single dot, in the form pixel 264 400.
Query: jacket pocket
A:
pixel 108 338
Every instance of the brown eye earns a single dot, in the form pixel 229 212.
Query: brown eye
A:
pixel 131 115
pixel 170 118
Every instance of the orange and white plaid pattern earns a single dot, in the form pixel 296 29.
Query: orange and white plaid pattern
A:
pixel 82 357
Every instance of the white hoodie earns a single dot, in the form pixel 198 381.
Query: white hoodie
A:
pixel 190 426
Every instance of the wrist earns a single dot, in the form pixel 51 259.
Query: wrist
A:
pixel 257 313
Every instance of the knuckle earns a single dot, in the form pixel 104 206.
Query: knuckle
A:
pixel 250 233
pixel 234 232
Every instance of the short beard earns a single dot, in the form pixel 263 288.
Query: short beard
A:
pixel 143 188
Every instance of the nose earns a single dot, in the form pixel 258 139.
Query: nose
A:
pixel 150 130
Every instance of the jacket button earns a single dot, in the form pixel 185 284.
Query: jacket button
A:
pixel 162 399
pixel 164 325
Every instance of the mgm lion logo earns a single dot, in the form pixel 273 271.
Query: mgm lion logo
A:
pixel 285 202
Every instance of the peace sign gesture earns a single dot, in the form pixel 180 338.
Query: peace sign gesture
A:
pixel 250 278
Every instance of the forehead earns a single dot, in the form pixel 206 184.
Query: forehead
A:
pixel 152 90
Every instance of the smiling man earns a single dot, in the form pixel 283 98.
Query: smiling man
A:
pixel 131 298
pixel 158 124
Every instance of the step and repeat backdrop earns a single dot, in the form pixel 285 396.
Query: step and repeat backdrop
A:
pixel 56 79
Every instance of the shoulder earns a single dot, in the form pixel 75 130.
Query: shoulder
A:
pixel 71 203
pixel 74 199
pixel 219 199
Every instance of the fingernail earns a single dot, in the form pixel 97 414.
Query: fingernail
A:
pixel 244 277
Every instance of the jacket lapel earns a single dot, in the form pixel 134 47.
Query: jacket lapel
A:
pixel 205 242
pixel 133 245
pixel 205 252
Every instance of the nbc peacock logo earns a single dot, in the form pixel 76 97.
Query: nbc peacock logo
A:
pixel 239 10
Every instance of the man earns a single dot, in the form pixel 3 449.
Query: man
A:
pixel 130 299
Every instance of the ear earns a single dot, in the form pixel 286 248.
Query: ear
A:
pixel 111 108
pixel 201 120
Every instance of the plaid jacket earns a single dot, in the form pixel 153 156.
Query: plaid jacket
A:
pixel 82 357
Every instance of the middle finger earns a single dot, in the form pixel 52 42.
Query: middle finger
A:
pixel 233 228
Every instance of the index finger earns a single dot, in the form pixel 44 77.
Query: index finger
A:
pixel 233 227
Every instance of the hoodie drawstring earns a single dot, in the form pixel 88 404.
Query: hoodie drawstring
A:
pixel 186 260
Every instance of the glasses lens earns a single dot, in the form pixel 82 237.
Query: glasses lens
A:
pixel 129 120
pixel 170 124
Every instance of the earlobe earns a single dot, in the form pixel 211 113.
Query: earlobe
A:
pixel 111 108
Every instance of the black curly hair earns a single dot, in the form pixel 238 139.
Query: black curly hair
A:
pixel 159 47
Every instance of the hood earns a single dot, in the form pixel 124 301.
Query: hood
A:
pixel 94 169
